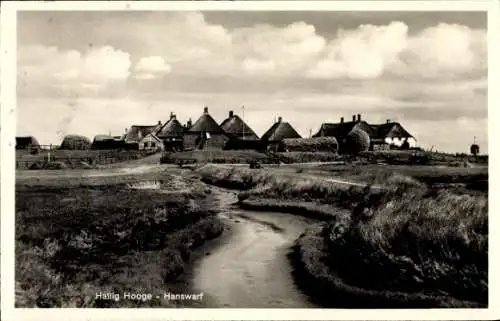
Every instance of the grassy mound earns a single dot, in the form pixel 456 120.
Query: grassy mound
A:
pixel 411 239
pixel 329 289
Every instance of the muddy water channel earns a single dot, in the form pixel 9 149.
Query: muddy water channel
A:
pixel 249 267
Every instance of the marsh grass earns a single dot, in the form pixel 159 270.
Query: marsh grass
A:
pixel 72 242
pixel 405 236
pixel 414 239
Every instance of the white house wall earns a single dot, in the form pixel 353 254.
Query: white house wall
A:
pixel 399 141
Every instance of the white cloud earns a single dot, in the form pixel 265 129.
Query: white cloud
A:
pixel 40 66
pixel 151 67
pixel 289 50
pixel 371 51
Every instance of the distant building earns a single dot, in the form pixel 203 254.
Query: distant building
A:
pixel 205 133
pixel 107 142
pixel 28 143
pixel 279 131
pixel 382 136
pixel 235 127
pixel 172 134
pixel 241 136
pixel 151 142
pixel 137 133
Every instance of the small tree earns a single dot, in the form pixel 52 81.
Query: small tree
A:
pixel 357 141
pixel 474 149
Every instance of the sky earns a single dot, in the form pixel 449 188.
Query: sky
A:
pixel 98 72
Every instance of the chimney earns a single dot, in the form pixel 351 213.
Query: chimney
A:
pixel 353 118
pixel 159 122
pixel 126 130
pixel 205 110
pixel 359 117
pixel 280 119
pixel 171 115
pixel 341 120
pixel 231 113
pixel 189 123
pixel 388 121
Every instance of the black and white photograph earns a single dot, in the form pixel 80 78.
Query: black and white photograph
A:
pixel 251 159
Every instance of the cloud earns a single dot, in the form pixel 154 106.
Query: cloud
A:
pixel 40 66
pixel 372 51
pixel 289 50
pixel 151 67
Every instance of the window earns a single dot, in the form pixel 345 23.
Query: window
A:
pixel 153 144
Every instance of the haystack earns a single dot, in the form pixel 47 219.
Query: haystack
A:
pixel 357 141
pixel 75 142
pixel 315 144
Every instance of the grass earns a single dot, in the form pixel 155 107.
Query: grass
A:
pixel 75 241
pixel 247 156
pixel 407 240
pixel 413 239
pixel 215 156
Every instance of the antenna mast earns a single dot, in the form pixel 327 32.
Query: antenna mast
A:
pixel 243 123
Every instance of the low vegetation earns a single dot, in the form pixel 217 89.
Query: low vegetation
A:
pixel 75 241
pixel 404 242
pixel 79 159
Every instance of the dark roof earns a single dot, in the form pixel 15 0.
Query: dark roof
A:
pixel 235 126
pixel 279 131
pixel 390 130
pixel 26 140
pixel 377 131
pixel 206 124
pixel 173 128
pixel 137 132
pixel 101 138
pixel 340 130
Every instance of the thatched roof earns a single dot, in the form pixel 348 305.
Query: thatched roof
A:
pixel 375 131
pixel 314 144
pixel 75 142
pixel 173 128
pixel 280 130
pixel 391 130
pixel 235 126
pixel 137 132
pixel 206 124
pixel 101 138
pixel 341 130
pixel 25 141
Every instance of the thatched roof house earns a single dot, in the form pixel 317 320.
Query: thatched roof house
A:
pixel 138 132
pixel 279 131
pixel 342 129
pixel 75 142
pixel 390 133
pixel 206 124
pixel 205 133
pixel 27 142
pixel 235 127
pixel 107 142
pixel 172 128
pixel 390 130
pixel 315 144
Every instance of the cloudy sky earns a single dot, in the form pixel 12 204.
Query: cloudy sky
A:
pixel 97 72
